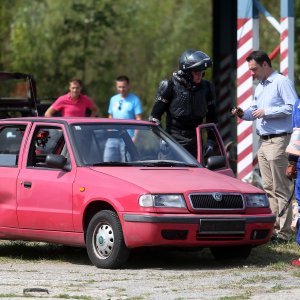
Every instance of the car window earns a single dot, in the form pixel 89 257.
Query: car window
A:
pixel 10 142
pixel 154 147
pixel 46 140
pixel 127 144
pixel 103 144
pixel 210 142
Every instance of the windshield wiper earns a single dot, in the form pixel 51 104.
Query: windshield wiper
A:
pixel 166 163
pixel 147 163
pixel 112 163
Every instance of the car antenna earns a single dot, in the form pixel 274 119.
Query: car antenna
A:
pixel 33 94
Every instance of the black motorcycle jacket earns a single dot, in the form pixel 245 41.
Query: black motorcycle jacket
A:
pixel 186 105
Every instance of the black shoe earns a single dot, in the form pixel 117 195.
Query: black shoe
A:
pixel 274 237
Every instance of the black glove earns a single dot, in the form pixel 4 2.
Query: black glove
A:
pixel 209 148
pixel 154 120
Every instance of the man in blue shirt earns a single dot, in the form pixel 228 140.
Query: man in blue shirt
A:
pixel 124 105
pixel 272 108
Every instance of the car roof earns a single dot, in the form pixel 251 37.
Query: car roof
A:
pixel 76 120
pixel 13 75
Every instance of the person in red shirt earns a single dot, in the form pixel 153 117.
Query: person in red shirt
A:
pixel 74 103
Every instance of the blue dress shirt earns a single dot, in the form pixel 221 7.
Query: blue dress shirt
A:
pixel 276 95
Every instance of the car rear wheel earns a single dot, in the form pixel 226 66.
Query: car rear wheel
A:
pixel 234 252
pixel 105 242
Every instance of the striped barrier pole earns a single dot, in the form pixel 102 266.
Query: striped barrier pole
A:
pixel 287 38
pixel 245 46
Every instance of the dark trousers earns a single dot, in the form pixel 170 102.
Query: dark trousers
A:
pixel 186 138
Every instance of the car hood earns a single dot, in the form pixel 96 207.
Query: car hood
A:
pixel 178 180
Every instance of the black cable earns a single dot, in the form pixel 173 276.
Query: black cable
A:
pixel 289 201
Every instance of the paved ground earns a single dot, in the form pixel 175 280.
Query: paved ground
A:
pixel 66 273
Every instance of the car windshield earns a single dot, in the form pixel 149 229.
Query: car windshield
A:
pixel 129 145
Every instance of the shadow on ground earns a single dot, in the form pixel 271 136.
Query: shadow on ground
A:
pixel 262 256
pixel 29 251
pixel 166 258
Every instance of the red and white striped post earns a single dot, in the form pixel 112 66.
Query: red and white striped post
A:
pixel 287 37
pixel 245 46
pixel 248 40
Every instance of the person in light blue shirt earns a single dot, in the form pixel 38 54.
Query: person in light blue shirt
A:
pixel 272 108
pixel 272 105
pixel 124 105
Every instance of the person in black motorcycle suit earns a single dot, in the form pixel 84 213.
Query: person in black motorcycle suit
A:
pixel 187 99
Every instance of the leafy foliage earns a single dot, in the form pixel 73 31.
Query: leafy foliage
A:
pixel 97 40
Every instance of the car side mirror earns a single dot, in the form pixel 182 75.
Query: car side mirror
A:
pixel 57 161
pixel 216 162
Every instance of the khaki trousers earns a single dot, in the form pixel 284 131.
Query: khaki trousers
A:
pixel 272 160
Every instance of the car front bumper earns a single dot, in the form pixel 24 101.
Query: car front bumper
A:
pixel 196 230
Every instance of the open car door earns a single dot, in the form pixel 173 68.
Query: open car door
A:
pixel 211 149
pixel 18 97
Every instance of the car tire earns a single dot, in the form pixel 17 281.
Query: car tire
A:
pixel 234 252
pixel 105 242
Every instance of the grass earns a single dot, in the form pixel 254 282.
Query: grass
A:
pixel 269 256
pixel 28 251
pixel 259 278
pixel 296 274
pixel 236 297
pixel 66 296
pixel 9 296
pixel 274 256
pixel 251 277
pixel 277 287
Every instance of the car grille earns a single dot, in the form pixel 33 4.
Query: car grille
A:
pixel 216 201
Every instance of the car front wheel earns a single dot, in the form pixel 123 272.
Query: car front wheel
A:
pixel 105 242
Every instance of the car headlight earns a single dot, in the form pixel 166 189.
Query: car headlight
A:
pixel 256 200
pixel 157 200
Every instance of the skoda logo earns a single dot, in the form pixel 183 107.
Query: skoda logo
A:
pixel 217 196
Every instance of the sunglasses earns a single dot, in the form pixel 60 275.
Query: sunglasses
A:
pixel 120 104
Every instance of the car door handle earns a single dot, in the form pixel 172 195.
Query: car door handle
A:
pixel 27 184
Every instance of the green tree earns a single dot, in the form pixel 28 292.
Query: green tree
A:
pixel 154 37
pixel 7 9
pixel 57 40
pixel 98 40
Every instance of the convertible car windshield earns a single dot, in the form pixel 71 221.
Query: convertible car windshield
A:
pixel 129 145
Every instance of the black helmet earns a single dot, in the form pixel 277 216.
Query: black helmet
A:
pixel 193 60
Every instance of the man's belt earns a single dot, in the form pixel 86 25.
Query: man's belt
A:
pixel 271 136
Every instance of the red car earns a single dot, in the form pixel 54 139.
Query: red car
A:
pixel 113 185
